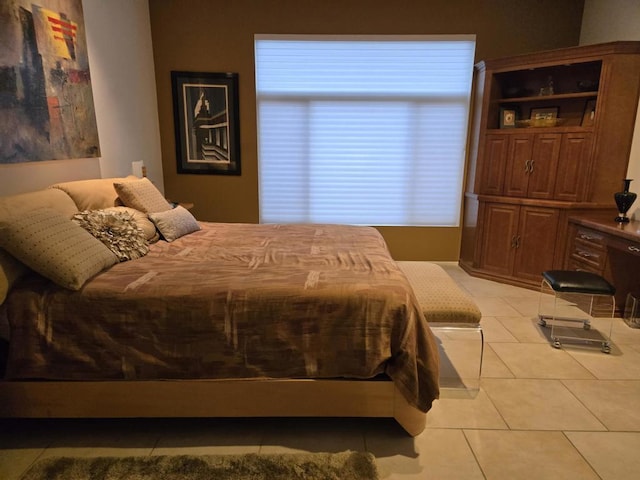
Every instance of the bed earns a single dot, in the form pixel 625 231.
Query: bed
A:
pixel 212 319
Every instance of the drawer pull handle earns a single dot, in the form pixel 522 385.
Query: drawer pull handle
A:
pixel 584 236
pixel 584 254
pixel 631 248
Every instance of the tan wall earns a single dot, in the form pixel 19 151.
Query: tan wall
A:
pixel 218 36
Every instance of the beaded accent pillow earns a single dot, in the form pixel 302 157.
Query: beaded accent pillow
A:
pixel 142 195
pixel 55 247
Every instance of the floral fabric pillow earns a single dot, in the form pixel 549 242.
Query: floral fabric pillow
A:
pixel 118 230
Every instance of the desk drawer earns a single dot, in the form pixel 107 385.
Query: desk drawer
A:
pixel 580 266
pixel 595 258
pixel 588 250
pixel 590 238
pixel 625 246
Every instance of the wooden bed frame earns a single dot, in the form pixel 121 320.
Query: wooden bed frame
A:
pixel 209 398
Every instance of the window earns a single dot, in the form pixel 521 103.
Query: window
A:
pixel 362 130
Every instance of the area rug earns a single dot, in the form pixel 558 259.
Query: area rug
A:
pixel 293 466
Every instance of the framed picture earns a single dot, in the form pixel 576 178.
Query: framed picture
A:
pixel 508 117
pixel 589 115
pixel 547 113
pixel 205 110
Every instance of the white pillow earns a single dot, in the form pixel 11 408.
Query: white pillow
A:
pixel 175 223
pixel 142 195
pixel 55 247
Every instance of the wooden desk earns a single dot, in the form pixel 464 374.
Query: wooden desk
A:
pixel 598 244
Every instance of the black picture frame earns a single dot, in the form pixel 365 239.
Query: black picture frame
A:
pixel 508 117
pixel 207 130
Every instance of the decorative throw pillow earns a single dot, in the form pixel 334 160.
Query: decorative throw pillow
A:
pixel 117 230
pixel 142 195
pixel 55 247
pixel 93 194
pixel 175 223
pixel 147 226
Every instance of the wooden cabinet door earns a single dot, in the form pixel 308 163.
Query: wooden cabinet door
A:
pixel 517 169
pixel 493 164
pixel 573 168
pixel 536 241
pixel 543 165
pixel 499 224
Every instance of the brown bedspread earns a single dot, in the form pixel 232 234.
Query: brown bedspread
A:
pixel 233 301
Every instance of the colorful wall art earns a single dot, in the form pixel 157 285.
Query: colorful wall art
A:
pixel 46 101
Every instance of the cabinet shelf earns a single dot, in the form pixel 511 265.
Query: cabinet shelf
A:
pixel 560 129
pixel 543 98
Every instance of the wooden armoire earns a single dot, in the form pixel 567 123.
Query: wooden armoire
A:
pixel 550 138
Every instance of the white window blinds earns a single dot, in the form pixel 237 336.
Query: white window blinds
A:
pixel 362 130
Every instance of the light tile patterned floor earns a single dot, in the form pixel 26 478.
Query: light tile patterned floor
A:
pixel 540 413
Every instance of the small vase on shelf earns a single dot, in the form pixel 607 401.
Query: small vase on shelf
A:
pixel 624 200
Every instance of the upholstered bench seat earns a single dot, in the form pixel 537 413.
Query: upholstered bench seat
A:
pixel 454 318
pixel 441 299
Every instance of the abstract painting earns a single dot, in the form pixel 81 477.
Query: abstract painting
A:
pixel 46 100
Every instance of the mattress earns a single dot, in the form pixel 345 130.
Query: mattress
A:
pixel 233 301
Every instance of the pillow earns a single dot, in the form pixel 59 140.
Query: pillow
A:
pixel 117 230
pixel 147 226
pixel 11 270
pixel 174 223
pixel 55 247
pixel 50 198
pixel 93 194
pixel 142 195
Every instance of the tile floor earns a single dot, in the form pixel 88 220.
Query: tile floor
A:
pixel 539 413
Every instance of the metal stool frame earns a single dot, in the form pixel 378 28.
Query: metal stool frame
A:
pixel 545 320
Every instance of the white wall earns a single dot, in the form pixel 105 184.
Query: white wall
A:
pixel 607 21
pixel 124 92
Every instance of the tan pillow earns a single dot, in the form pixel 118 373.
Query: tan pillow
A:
pixel 50 198
pixel 117 230
pixel 55 247
pixel 142 195
pixel 175 223
pixel 94 194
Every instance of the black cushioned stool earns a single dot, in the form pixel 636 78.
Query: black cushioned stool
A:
pixel 576 297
